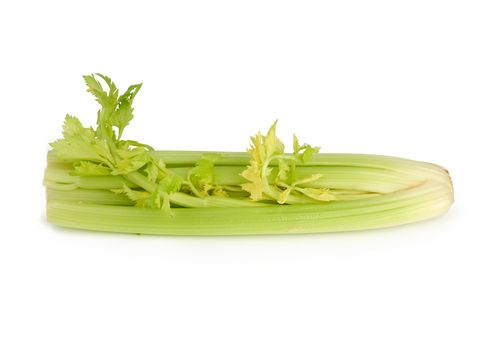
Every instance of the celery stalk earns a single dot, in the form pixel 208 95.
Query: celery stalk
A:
pixel 420 203
pixel 96 180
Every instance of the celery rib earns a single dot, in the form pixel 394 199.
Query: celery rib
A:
pixel 422 202
pixel 359 179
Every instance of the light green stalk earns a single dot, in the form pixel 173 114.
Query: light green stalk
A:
pixel 423 202
pixel 370 178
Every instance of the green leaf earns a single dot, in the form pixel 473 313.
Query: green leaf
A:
pixel 170 183
pixel 255 186
pixel 115 110
pixel 86 168
pixel 308 152
pixel 269 148
pixel 136 143
pixel 130 164
pixel 296 146
pixel 107 100
pixel 202 173
pixel 122 116
pixel 77 143
pixel 303 152
pixel 263 149
pixel 95 88
pixel 152 172
pixel 141 198
pixel 130 158
pixel 102 148
pixel 72 127
pixel 201 178
pixel 273 146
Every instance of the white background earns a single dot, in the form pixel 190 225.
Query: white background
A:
pixel 403 78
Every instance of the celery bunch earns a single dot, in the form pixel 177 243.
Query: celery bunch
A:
pixel 96 180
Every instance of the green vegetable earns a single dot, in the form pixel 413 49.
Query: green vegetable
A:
pixel 96 180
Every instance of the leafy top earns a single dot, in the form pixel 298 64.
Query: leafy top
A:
pixel 115 110
pixel 102 152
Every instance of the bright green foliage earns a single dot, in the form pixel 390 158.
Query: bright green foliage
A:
pixel 100 153
pixel 78 142
pixel 304 151
pixel 201 179
pixel 287 187
pixel 159 198
pixel 86 168
pixel 115 110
